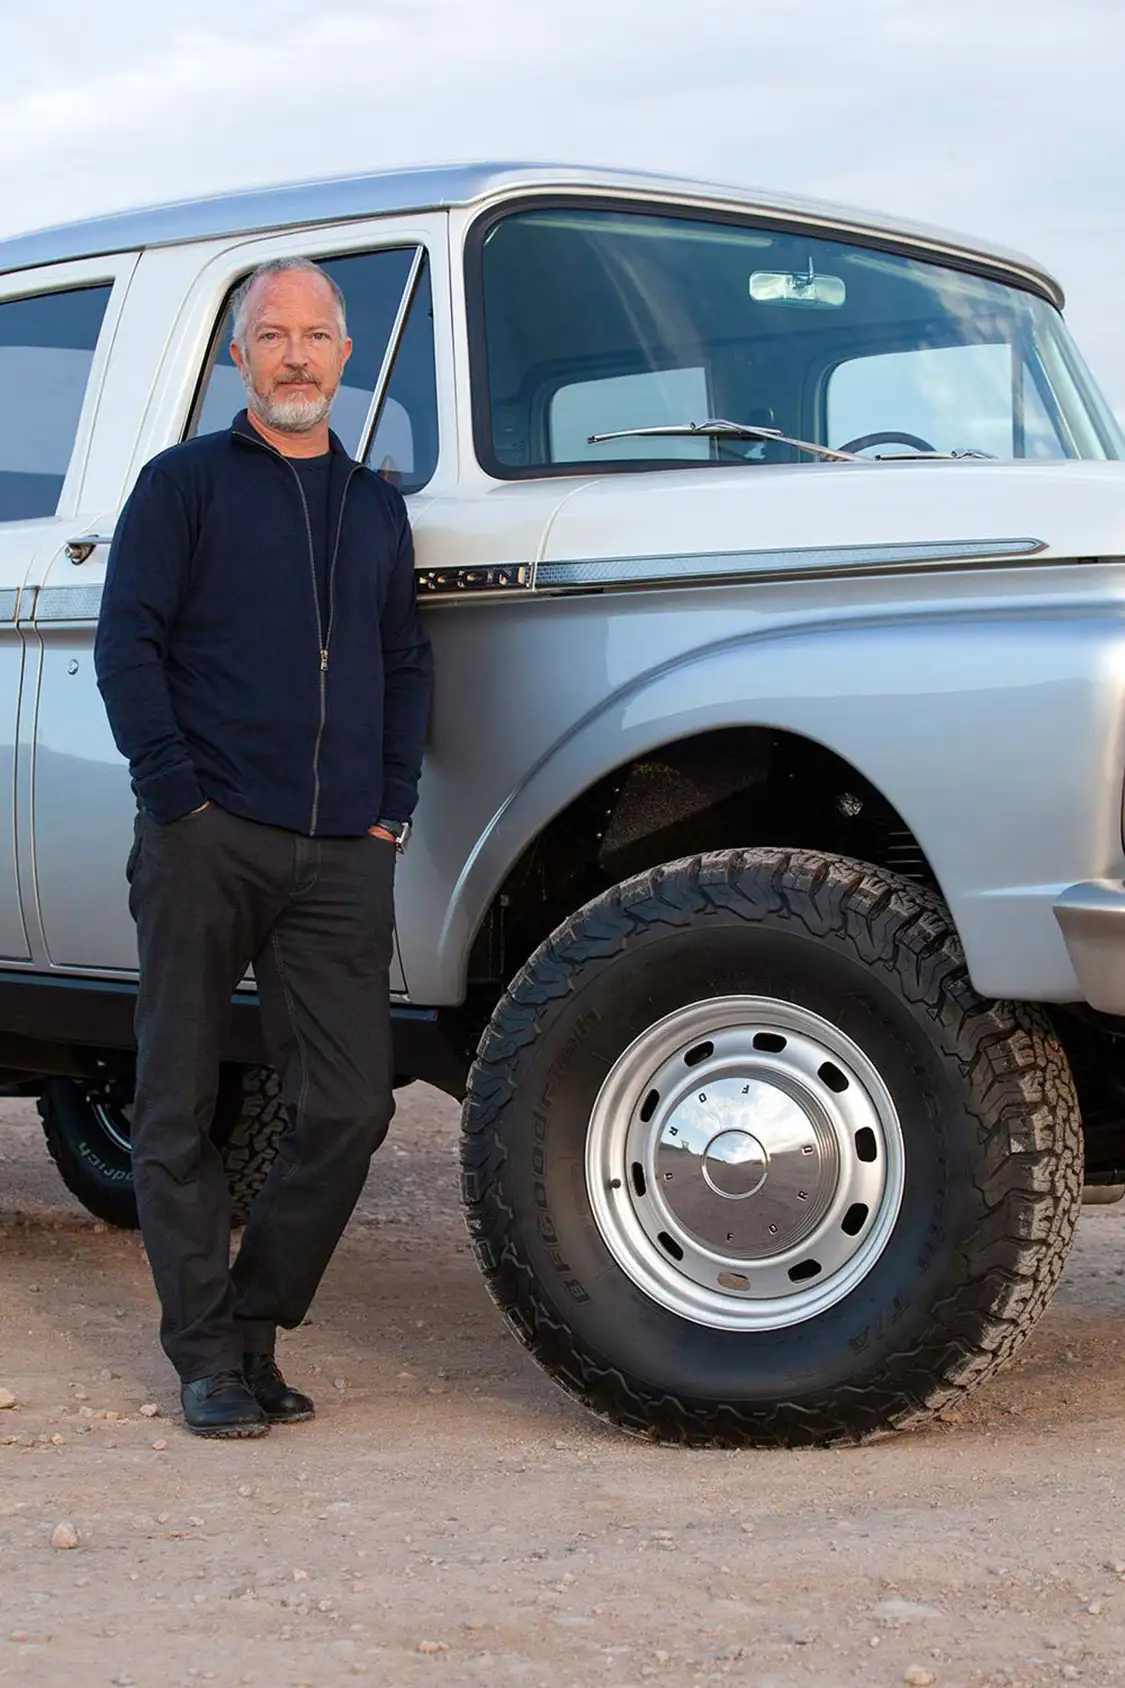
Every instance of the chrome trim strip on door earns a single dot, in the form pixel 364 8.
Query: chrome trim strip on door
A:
pixel 82 603
pixel 67 603
pixel 603 572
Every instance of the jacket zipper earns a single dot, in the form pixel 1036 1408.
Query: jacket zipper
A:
pixel 323 636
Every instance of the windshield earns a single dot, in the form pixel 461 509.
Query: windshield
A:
pixel 600 320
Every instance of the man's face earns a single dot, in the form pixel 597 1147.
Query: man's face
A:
pixel 293 357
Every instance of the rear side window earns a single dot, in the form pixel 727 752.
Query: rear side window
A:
pixel 403 437
pixel 47 347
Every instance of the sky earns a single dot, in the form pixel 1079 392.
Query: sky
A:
pixel 1002 119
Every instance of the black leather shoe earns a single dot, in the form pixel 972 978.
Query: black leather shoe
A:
pixel 222 1405
pixel 280 1404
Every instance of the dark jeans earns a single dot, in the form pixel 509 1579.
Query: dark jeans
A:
pixel 211 894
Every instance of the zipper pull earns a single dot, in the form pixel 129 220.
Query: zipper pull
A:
pixel 324 662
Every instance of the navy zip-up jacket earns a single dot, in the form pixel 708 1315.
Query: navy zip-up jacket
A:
pixel 217 680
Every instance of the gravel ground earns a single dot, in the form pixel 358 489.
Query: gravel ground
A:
pixel 450 1518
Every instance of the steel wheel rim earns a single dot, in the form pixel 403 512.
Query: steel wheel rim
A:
pixel 745 1163
pixel 109 1115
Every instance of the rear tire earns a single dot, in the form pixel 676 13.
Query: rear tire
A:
pixel 622 1213
pixel 87 1136
pixel 88 1127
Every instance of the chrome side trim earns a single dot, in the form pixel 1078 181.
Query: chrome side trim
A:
pixel 601 572
pixel 67 603
pixel 1092 918
pixel 83 603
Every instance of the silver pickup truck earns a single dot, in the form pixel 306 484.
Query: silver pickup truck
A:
pixel 765 902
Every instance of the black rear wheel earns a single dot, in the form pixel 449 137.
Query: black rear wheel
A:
pixel 88 1129
pixel 747 1161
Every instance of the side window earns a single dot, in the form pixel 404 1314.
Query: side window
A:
pixel 47 346
pixel 404 447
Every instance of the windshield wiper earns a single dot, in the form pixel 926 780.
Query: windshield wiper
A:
pixel 717 429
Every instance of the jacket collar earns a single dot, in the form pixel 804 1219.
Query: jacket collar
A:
pixel 243 430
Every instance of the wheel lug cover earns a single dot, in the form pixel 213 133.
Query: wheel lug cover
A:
pixel 735 1164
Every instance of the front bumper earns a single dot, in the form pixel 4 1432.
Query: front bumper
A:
pixel 1092 917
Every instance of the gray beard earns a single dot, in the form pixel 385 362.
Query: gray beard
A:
pixel 296 415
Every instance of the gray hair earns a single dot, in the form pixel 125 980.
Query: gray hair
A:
pixel 281 266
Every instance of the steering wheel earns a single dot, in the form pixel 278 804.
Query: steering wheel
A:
pixel 890 437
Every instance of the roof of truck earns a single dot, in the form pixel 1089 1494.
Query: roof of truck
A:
pixel 426 188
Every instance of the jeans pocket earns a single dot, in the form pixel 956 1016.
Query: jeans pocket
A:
pixel 134 855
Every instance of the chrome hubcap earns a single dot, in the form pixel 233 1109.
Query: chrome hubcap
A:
pixel 745 1163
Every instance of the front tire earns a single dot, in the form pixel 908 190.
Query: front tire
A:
pixel 746 1160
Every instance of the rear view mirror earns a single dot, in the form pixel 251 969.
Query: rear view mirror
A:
pixel 781 287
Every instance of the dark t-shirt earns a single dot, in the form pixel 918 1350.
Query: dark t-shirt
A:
pixel 314 476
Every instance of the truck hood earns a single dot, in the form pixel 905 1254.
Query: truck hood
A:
pixel 1061 509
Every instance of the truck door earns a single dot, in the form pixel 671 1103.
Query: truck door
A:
pixel 385 412
pixel 56 326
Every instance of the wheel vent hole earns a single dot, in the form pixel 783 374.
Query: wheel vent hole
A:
pixel 672 1247
pixel 733 1280
pixel 833 1077
pixel 855 1219
pixel 699 1053
pixel 650 1105
pixel 865 1145
pixel 771 1042
pixel 638 1173
pixel 807 1269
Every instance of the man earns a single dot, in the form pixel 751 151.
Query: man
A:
pixel 264 671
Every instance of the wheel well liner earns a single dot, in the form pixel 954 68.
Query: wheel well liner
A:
pixel 724 788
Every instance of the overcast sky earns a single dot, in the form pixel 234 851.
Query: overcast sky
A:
pixel 1000 118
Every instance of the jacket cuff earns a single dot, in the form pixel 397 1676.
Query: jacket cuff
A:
pixel 399 800
pixel 169 796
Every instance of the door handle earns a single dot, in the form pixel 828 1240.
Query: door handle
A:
pixel 81 550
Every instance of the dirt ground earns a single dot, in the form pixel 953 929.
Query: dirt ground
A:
pixel 450 1518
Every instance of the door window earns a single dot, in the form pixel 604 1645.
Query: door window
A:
pixel 47 345
pixel 404 446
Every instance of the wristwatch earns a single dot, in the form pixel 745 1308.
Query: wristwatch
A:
pixel 399 831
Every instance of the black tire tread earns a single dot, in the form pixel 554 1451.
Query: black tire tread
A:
pixel 250 1146
pixel 1022 1098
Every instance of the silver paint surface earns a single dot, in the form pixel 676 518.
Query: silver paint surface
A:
pixel 435 188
